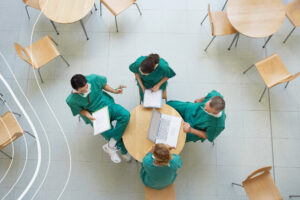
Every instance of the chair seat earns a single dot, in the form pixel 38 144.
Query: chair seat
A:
pixel 293 12
pixel 43 51
pixel 221 24
pixel 167 193
pixel 262 188
pixel 117 6
pixel 33 3
pixel 10 129
pixel 272 70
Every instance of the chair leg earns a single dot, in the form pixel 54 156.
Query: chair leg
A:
pixel 235 36
pixel 289 35
pixel 54 27
pixel 65 60
pixel 18 114
pixel 40 75
pixel 210 43
pixel 224 5
pixel 262 94
pixel 54 41
pixel 29 134
pixel 291 196
pixel 138 8
pixel 82 25
pixel 237 39
pixel 286 84
pixel 213 143
pixel 116 23
pixel 100 8
pixel 6 154
pixel 237 184
pixel 267 40
pixel 248 69
pixel 26 8
pixel 79 118
pixel 204 18
pixel 95 7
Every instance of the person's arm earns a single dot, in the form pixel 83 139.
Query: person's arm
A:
pixel 87 115
pixel 199 100
pixel 157 86
pixel 188 129
pixel 115 91
pixel 138 78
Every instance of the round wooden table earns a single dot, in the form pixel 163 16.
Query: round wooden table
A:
pixel 135 135
pixel 256 18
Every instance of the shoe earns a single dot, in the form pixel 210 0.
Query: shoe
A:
pixel 127 157
pixel 112 152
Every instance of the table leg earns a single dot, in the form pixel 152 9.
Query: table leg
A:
pixel 82 25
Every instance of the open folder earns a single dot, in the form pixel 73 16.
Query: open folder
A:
pixel 102 120
pixel 152 99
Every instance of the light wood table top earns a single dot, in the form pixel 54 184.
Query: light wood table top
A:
pixel 256 18
pixel 135 135
pixel 66 11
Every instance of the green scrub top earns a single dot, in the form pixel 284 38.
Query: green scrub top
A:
pixel 162 70
pixel 159 177
pixel 96 99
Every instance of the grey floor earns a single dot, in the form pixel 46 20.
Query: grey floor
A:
pixel 256 134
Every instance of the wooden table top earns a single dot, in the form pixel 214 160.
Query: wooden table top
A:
pixel 66 11
pixel 256 18
pixel 135 135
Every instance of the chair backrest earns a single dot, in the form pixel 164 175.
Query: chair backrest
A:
pixel 259 172
pixel 21 51
pixel 210 20
pixel 167 193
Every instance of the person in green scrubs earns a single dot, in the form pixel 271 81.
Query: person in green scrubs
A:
pixel 151 72
pixel 88 95
pixel 159 167
pixel 204 119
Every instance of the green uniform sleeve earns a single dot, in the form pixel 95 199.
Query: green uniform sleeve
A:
pixel 211 95
pixel 100 81
pixel 167 70
pixel 213 132
pixel 176 162
pixel 134 67
pixel 75 108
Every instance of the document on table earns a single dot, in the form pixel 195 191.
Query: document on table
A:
pixel 102 120
pixel 152 99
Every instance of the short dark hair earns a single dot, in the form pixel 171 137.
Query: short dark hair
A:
pixel 155 57
pixel 78 81
pixel 148 64
pixel 217 103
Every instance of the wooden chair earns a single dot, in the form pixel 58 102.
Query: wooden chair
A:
pixel 273 72
pixel 117 6
pixel 207 13
pixel 293 14
pixel 35 4
pixel 220 25
pixel 167 193
pixel 164 95
pixel 39 53
pixel 260 186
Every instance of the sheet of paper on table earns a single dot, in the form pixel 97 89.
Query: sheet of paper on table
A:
pixel 152 99
pixel 102 120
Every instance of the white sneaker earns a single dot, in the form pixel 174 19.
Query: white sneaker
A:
pixel 114 156
pixel 126 157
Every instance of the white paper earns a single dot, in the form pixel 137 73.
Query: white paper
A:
pixel 152 99
pixel 102 121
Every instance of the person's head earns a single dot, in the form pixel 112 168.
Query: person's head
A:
pixel 79 83
pixel 161 154
pixel 215 105
pixel 149 64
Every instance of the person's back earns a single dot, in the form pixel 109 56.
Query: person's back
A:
pixel 158 172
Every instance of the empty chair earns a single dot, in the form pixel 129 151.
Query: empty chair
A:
pixel 207 13
pixel 273 72
pixel 260 186
pixel 35 4
pixel 167 193
pixel 220 25
pixel 39 53
pixel 293 14
pixel 117 6
pixel 10 130
pixel 164 95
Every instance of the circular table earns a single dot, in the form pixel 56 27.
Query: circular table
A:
pixel 256 18
pixel 135 135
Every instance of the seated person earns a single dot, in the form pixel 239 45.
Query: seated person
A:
pixel 159 167
pixel 87 97
pixel 151 72
pixel 204 119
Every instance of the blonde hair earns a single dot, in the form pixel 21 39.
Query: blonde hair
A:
pixel 162 154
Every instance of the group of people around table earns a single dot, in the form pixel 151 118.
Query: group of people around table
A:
pixel 203 119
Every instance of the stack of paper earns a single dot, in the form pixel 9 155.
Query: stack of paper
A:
pixel 152 99
pixel 102 120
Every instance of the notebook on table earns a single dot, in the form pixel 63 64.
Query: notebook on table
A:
pixel 152 99
pixel 102 120
pixel 164 128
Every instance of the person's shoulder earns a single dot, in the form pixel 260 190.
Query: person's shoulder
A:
pixel 148 160
pixel 95 77
pixel 176 161
pixel 163 63
pixel 215 93
pixel 70 98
